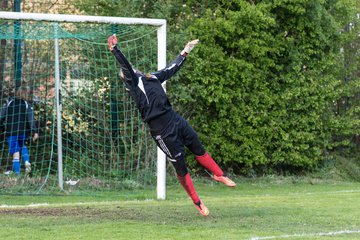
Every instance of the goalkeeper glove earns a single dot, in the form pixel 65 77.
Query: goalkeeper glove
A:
pixel 112 42
pixel 189 46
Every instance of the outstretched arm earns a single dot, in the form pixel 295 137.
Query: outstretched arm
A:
pixel 127 71
pixel 2 115
pixel 176 64
pixel 31 121
pixel 3 112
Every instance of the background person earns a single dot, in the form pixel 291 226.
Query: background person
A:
pixel 17 116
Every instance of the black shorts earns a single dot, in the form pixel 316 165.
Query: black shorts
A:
pixel 173 136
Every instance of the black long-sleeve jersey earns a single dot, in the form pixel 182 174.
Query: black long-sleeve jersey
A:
pixel 147 90
pixel 18 117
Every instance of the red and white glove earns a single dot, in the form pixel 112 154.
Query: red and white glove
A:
pixel 112 42
pixel 189 46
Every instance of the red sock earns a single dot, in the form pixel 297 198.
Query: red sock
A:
pixel 188 185
pixel 208 162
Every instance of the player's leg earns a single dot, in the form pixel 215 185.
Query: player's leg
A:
pixel 185 179
pixel 208 162
pixel 16 163
pixel 194 145
pixel 14 150
pixel 25 153
pixel 192 142
pixel 26 158
pixel 176 155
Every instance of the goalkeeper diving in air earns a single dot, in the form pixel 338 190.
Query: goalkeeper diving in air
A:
pixel 171 131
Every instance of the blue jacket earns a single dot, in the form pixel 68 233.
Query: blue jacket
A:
pixel 17 116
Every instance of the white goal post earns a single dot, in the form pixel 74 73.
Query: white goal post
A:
pixel 161 62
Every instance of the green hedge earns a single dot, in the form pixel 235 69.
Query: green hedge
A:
pixel 267 80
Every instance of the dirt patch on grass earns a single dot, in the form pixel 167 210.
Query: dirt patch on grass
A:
pixel 81 212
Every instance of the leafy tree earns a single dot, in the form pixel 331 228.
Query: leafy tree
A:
pixel 265 80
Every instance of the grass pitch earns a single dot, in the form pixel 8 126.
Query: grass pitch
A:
pixel 256 210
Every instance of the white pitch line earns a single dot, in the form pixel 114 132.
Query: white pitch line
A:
pixel 335 192
pixel 307 235
pixel 36 205
pixel 28 205
pixel 305 193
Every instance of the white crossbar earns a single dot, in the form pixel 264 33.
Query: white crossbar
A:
pixel 80 18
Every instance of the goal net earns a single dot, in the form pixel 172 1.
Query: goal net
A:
pixel 91 137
